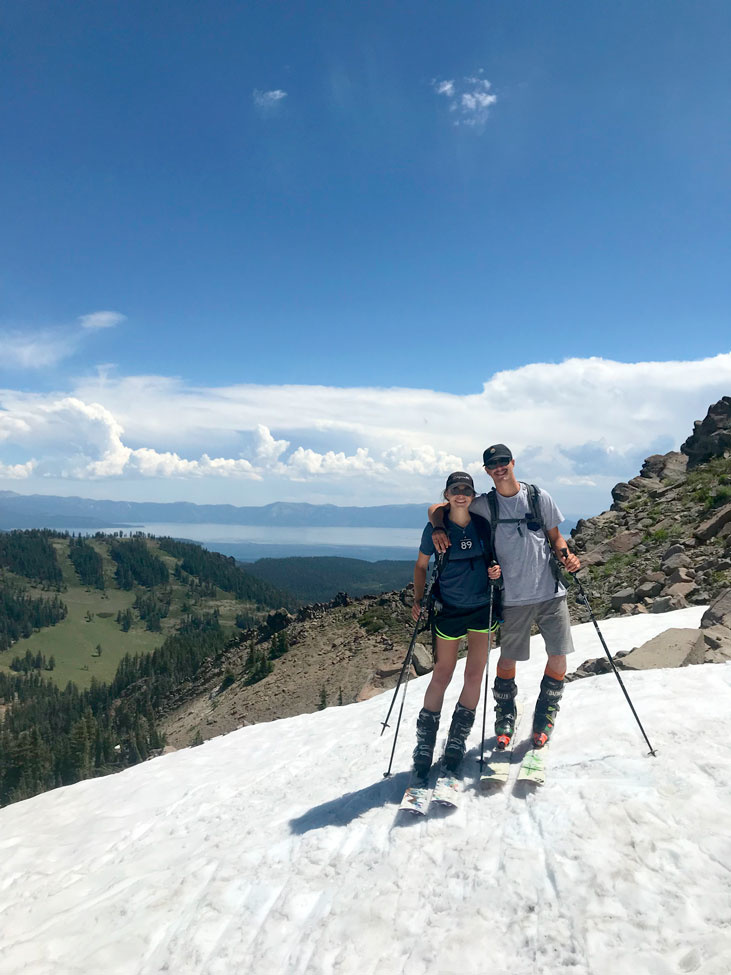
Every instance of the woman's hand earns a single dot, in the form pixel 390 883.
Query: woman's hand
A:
pixel 494 572
pixel 416 610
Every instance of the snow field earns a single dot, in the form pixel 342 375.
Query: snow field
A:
pixel 278 848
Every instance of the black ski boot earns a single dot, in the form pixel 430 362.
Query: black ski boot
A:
pixel 504 691
pixel 547 707
pixel 462 721
pixel 427 725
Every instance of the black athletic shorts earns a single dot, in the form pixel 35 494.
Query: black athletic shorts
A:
pixel 454 623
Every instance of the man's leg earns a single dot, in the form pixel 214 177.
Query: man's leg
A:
pixel 555 626
pixel 515 645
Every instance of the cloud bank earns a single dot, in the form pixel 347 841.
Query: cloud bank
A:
pixel 581 424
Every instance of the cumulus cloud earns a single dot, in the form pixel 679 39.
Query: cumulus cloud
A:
pixel 580 425
pixel 101 319
pixel 267 449
pixel 469 99
pixel 267 101
pixel 17 472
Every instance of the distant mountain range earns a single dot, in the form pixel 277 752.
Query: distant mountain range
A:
pixel 49 511
pixel 52 511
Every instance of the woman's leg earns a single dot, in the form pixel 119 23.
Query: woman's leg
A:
pixel 474 669
pixel 446 659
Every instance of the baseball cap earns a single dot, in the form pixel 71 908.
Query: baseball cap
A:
pixel 498 451
pixel 460 477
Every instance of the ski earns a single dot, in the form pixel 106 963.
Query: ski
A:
pixel 496 769
pixel 448 789
pixel 417 796
pixel 533 766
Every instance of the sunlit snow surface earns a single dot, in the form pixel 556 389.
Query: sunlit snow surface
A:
pixel 279 849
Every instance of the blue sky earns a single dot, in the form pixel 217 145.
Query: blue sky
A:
pixel 260 251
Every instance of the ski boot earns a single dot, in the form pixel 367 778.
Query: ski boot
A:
pixel 462 721
pixel 504 691
pixel 547 707
pixel 427 725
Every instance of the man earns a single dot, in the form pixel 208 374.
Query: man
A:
pixel 533 592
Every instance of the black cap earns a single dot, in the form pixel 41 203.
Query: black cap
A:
pixel 460 477
pixel 497 451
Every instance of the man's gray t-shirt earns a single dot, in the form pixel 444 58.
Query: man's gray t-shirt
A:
pixel 523 554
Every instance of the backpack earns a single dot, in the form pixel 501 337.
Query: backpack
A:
pixel 533 520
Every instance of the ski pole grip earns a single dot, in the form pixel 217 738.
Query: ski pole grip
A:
pixel 565 553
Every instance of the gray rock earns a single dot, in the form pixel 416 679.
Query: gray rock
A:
pixel 681 575
pixel 648 589
pixel 682 589
pixel 622 596
pixel 712 436
pixel 622 492
pixel 674 562
pixel 624 542
pixel 422 660
pixel 663 604
pixel 676 549
pixel 719 612
pixel 674 648
pixel 710 528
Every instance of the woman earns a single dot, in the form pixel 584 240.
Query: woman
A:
pixel 463 600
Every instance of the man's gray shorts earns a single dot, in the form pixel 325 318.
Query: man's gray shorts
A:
pixel 552 619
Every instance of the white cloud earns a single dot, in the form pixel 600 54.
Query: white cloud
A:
pixel 469 99
pixel 34 349
pixel 266 101
pixel 579 426
pixel 17 472
pixel 423 460
pixel 267 449
pixel 101 319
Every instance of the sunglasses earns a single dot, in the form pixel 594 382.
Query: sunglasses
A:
pixel 460 489
pixel 497 462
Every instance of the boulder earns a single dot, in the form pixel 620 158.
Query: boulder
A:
pixel 663 604
pixel 647 590
pixel 624 542
pixel 422 660
pixel 682 589
pixel 710 528
pixel 711 437
pixel 673 648
pixel 622 596
pixel 673 562
pixel 719 612
pixel 681 575
pixel 622 492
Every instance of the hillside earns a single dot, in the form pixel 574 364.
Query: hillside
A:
pixel 120 604
pixel 320 579
pixel 95 636
pixel 278 848
pixel 665 543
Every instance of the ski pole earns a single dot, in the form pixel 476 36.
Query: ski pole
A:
pixel 406 668
pixel 585 600
pixel 487 678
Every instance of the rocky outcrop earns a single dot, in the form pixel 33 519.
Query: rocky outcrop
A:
pixel 675 647
pixel 665 543
pixel 711 436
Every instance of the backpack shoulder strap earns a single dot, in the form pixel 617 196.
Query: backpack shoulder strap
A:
pixel 534 503
pixel 492 502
